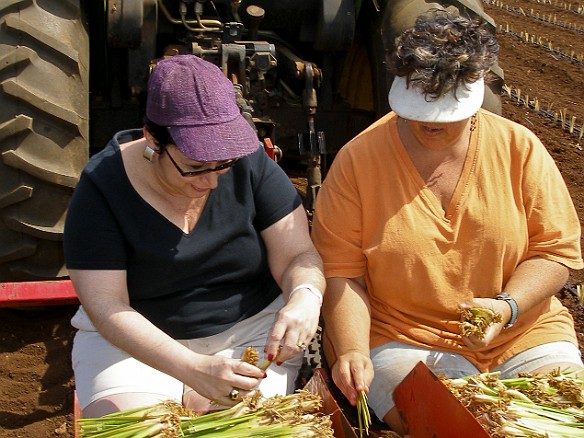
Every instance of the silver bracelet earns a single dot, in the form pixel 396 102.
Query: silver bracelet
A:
pixel 309 287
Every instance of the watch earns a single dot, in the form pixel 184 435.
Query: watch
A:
pixel 514 309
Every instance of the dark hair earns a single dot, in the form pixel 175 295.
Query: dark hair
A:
pixel 160 133
pixel 444 50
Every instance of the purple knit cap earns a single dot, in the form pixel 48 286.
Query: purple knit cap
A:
pixel 196 102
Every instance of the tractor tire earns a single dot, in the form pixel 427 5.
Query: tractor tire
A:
pixel 44 83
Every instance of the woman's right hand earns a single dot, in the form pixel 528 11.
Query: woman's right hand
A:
pixel 214 377
pixel 352 373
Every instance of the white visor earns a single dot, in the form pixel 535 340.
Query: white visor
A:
pixel 410 103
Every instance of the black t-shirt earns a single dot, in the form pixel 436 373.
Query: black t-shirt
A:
pixel 189 285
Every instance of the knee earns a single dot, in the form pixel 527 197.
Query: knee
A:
pixel 562 366
pixel 394 421
pixel 121 402
pixel 100 407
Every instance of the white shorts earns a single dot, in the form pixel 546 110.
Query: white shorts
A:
pixel 102 369
pixel 393 361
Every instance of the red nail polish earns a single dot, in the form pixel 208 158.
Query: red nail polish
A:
pixel 270 357
pixel 265 375
pixel 279 363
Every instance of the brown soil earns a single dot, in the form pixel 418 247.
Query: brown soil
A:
pixel 36 385
pixel 36 382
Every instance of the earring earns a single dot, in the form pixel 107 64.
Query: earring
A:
pixel 149 153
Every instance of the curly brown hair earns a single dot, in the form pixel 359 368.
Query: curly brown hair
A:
pixel 443 51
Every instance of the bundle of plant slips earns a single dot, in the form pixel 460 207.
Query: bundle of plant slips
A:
pixel 363 414
pixel 476 321
pixel 550 405
pixel 255 416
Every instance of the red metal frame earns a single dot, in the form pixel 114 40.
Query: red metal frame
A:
pixel 37 293
pixel 430 410
pixel 77 414
pixel 320 384
pixel 269 148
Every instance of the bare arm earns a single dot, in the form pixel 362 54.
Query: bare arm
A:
pixel 534 281
pixel 293 262
pixel 104 297
pixel 347 319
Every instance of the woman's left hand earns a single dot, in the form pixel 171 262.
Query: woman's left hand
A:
pixel 534 280
pixel 493 330
pixel 295 326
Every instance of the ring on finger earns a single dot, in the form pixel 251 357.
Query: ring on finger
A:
pixel 301 345
pixel 233 394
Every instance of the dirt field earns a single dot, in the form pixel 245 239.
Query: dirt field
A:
pixel 36 387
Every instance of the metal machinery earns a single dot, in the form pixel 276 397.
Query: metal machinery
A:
pixel 308 74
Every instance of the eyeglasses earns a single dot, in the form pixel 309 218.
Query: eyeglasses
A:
pixel 223 166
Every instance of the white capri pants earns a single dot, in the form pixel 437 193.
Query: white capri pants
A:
pixel 393 361
pixel 102 369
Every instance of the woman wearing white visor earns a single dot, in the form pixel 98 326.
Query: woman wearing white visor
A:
pixel 438 206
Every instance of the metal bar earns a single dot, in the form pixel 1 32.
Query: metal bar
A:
pixel 37 293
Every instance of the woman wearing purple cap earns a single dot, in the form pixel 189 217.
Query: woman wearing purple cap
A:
pixel 436 207
pixel 186 244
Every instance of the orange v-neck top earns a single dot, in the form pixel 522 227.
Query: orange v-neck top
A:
pixel 375 218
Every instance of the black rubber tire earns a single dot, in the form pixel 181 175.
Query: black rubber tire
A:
pixel 44 84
